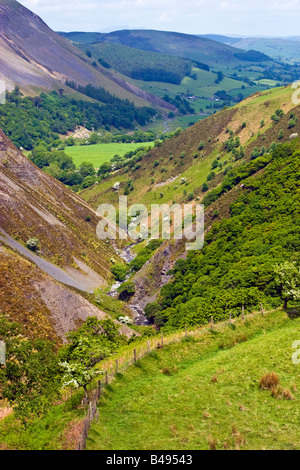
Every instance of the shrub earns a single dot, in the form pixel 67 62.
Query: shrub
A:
pixel 291 123
pixel 119 271
pixel 33 244
pixel 269 381
pixel 211 176
pixel 204 187
pixel 126 290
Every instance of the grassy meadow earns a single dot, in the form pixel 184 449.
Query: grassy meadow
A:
pixel 204 393
pixel 101 153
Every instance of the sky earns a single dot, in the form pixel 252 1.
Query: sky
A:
pixel 234 17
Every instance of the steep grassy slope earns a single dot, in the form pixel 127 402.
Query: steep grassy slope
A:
pixel 204 393
pixel 183 157
pixel 177 158
pixel 35 57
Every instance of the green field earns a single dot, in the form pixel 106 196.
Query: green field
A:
pixel 204 85
pixel 204 393
pixel 101 153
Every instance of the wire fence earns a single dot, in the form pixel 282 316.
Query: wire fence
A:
pixel 113 366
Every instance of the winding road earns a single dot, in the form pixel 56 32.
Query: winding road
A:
pixel 54 271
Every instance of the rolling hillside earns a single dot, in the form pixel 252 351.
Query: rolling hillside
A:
pixel 205 394
pixel 282 49
pixel 204 73
pixel 191 47
pixel 180 157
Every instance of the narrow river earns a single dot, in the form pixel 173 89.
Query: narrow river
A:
pixel 137 312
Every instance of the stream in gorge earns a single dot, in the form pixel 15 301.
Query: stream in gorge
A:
pixel 137 312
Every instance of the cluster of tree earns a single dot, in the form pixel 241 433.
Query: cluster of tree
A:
pixel 107 137
pixel 117 112
pixel 128 161
pixel 30 121
pixel 61 166
pixel 181 103
pixel 35 372
pixel 252 56
pixel 243 259
pixel 120 271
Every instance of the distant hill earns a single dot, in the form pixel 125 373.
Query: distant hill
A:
pixel 181 68
pixel 196 48
pixel 140 65
pixel 35 57
pixel 282 49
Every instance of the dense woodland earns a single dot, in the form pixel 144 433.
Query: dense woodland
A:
pixel 29 121
pixel 140 65
pixel 236 265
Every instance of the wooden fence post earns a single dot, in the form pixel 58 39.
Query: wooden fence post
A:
pixel 243 312
pixel 212 322
pixel 99 389
pixel 229 317
pixel 134 355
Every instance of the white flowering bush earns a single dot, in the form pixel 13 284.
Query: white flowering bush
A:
pixel 126 320
pixel 76 374
pixel 287 277
pixel 87 346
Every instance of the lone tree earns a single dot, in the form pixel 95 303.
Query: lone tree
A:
pixel 88 345
pixel 287 277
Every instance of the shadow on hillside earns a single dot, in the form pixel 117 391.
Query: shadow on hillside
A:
pixel 293 312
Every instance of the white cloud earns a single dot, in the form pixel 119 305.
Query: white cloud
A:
pixel 255 17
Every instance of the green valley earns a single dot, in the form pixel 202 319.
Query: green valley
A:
pixel 118 150
pixel 101 153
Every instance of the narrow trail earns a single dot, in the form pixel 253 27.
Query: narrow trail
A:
pixel 63 277
pixel 51 269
